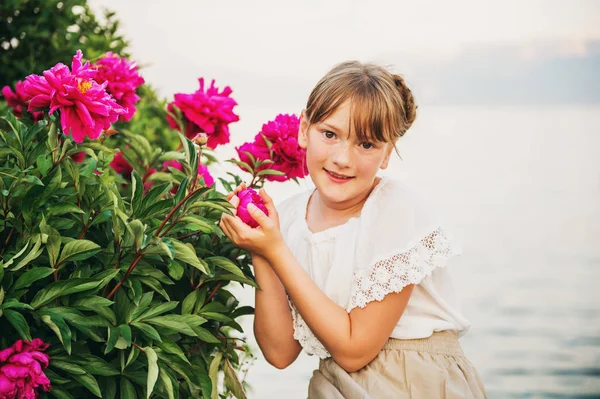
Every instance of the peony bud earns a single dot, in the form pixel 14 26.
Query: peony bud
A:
pixel 201 139
pixel 249 196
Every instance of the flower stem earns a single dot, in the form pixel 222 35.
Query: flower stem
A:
pixel 175 209
pixel 137 260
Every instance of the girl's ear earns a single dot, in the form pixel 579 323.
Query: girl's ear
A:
pixel 303 130
pixel 386 158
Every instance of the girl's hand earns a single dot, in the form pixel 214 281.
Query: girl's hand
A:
pixel 263 240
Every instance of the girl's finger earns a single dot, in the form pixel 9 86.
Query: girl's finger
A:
pixel 269 204
pixel 240 187
pixel 225 227
pixel 234 200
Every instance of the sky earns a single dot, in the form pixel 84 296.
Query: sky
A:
pixel 279 49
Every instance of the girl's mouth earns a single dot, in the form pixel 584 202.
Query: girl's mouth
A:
pixel 337 177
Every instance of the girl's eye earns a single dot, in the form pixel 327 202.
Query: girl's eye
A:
pixel 367 146
pixel 328 134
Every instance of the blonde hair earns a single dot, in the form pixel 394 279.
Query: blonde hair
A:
pixel 382 105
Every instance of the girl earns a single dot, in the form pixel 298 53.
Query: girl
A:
pixel 353 272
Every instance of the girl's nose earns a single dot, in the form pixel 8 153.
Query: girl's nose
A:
pixel 341 156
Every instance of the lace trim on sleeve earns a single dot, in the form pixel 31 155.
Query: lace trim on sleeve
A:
pixel 395 272
pixel 302 333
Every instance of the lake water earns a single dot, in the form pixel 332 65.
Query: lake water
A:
pixel 519 188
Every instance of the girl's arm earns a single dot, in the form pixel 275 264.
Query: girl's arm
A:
pixel 273 327
pixel 353 339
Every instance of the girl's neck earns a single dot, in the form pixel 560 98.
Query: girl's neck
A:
pixel 322 214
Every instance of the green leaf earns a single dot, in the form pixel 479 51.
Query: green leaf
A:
pixel 98 366
pixel 60 328
pixel 78 250
pixel 213 371
pixel 216 316
pixel 88 381
pixel 147 330
pixel 144 304
pixel 233 277
pixel 232 382
pixel 189 302
pixel 159 247
pixel 175 270
pixel 72 170
pixel 270 172
pixel 167 383
pixel 59 393
pixel 137 230
pixel 198 223
pixel 155 285
pixel 133 355
pixel 171 155
pixel 205 335
pixel 212 205
pixel 174 349
pixel 172 322
pixel 30 276
pixel 126 333
pixel 61 209
pixel 71 286
pixel 113 337
pixel 19 323
pixel 71 368
pixel 137 192
pixel 127 389
pixel 186 253
pixel 44 163
pixel 152 369
pixel 14 258
pixel 108 388
pixel 33 254
pixel 90 302
pixel 53 244
pixel 159 309
pixel 225 264
pixel 52 185
pixel 12 303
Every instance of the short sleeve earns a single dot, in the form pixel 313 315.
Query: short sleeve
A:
pixel 400 243
pixel 402 268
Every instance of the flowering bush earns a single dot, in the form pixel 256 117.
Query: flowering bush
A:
pixel 109 247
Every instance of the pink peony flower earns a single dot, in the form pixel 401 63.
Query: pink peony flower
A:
pixel 123 79
pixel 18 101
pixel 207 111
pixel 285 152
pixel 249 196
pixel 202 172
pixel 86 109
pixel 120 164
pixel 21 370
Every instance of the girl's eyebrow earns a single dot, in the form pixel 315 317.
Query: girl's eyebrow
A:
pixel 332 127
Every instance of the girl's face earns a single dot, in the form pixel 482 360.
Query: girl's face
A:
pixel 342 168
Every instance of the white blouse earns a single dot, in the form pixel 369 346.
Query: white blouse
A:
pixel 393 243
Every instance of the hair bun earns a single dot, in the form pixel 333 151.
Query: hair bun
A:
pixel 410 107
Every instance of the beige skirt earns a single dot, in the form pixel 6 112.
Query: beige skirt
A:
pixel 427 368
